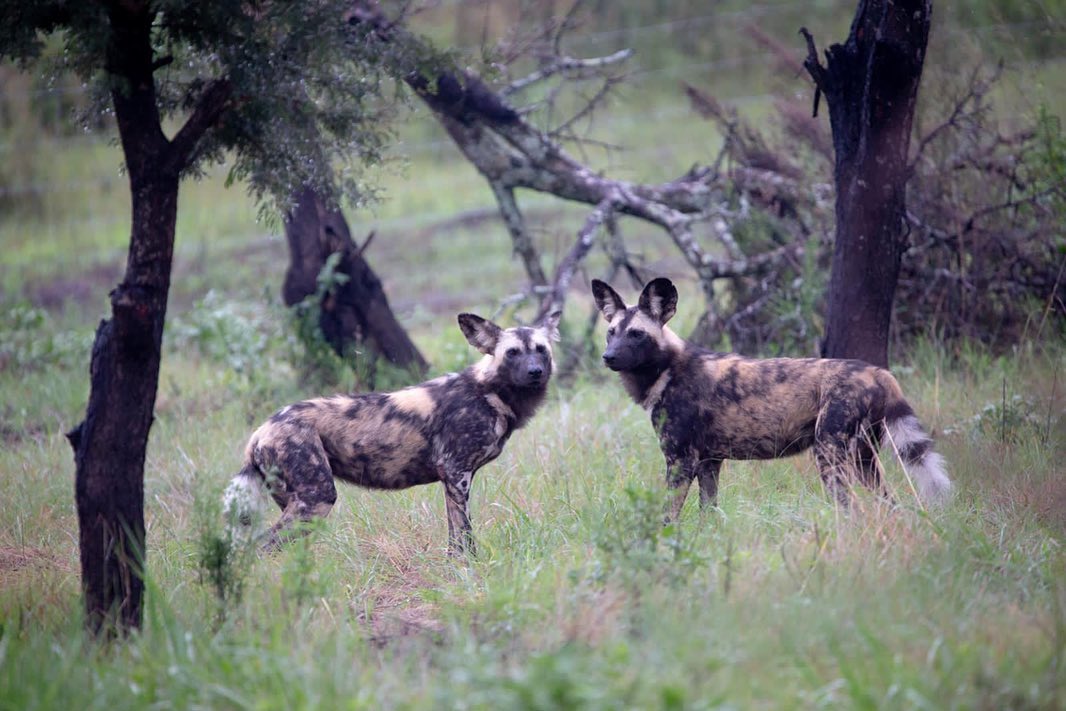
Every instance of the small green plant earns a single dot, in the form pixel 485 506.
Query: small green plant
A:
pixel 30 341
pixel 633 540
pixel 314 357
pixel 224 331
pixel 301 577
pixel 223 557
pixel 309 352
pixel 1009 421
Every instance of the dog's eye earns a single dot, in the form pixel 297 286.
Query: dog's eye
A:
pixel 635 334
pixel 541 349
pixel 512 352
pixel 610 332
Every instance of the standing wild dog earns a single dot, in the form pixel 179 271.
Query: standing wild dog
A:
pixel 707 407
pixel 442 430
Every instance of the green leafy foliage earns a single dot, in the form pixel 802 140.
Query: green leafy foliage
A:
pixel 308 100
pixel 30 340
pixel 632 539
pixel 224 331
pixel 223 558
pixel 319 365
pixel 1009 421
pixel 1050 163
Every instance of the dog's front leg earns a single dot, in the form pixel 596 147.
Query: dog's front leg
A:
pixel 456 498
pixel 679 476
pixel 707 474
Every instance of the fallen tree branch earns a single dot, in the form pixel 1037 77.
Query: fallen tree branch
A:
pixel 564 272
pixel 569 67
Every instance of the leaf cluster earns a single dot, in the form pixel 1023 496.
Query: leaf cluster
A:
pixel 310 94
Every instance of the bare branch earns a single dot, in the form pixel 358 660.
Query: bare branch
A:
pixel 591 104
pixel 523 245
pixel 975 92
pixel 205 114
pixel 785 59
pixel 615 248
pixel 814 68
pixel 569 67
pixel 564 272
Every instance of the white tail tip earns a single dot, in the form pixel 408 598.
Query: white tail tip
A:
pixel 243 507
pixel 932 481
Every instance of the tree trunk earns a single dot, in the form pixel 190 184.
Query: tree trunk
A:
pixel 871 86
pixel 358 311
pixel 110 443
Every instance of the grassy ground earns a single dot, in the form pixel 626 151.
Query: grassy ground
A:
pixel 579 598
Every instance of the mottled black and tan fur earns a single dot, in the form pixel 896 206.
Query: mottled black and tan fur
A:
pixel 443 430
pixel 707 407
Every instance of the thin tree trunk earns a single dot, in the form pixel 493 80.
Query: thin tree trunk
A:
pixel 871 86
pixel 110 443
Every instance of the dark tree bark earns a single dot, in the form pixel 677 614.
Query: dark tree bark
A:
pixel 871 86
pixel 358 311
pixel 109 444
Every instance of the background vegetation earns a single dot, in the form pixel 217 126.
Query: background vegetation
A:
pixel 579 598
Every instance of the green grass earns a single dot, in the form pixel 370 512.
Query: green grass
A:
pixel 578 597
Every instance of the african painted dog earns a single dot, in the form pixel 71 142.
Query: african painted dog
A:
pixel 442 430
pixel 707 407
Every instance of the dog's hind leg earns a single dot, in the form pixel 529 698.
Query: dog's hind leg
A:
pixel 301 483
pixel 835 451
pixel 871 473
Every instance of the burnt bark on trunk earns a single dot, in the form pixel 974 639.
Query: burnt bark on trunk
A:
pixel 358 310
pixel 110 443
pixel 871 86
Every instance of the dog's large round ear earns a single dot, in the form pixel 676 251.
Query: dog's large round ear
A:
pixel 480 333
pixel 659 299
pixel 607 299
pixel 550 324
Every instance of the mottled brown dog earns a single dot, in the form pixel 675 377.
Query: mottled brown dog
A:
pixel 707 407
pixel 443 430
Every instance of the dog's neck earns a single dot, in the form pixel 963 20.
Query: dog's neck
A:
pixel 640 381
pixel 645 383
pixel 523 402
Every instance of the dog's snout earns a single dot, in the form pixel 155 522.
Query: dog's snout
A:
pixel 536 371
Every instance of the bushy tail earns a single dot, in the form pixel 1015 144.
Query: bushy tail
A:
pixel 915 448
pixel 244 504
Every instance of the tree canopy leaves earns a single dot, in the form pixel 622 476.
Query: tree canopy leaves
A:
pixel 307 94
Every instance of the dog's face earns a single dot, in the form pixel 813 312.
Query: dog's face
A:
pixel 635 334
pixel 519 357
